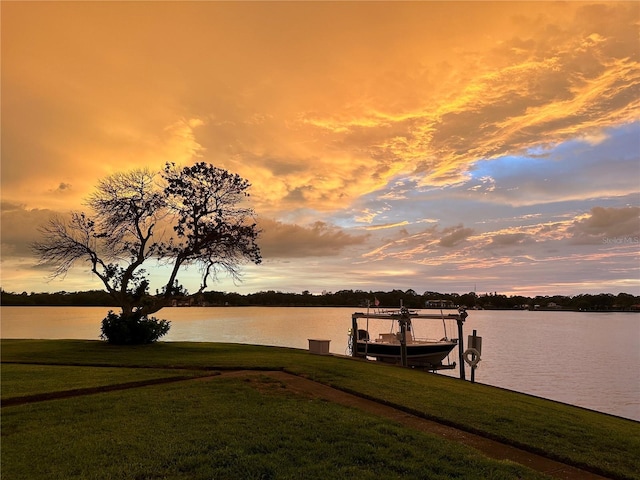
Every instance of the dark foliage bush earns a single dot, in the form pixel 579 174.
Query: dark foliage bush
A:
pixel 132 329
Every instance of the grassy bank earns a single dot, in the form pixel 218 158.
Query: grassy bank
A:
pixel 208 428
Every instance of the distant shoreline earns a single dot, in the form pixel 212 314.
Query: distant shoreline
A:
pixel 356 308
pixel 604 302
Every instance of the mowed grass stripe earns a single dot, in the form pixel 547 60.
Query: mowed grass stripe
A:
pixel 233 428
pixel 40 381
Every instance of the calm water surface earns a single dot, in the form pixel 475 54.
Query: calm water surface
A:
pixel 586 359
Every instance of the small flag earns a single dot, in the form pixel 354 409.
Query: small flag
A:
pixel 376 302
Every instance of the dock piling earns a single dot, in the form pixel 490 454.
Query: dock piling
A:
pixel 460 321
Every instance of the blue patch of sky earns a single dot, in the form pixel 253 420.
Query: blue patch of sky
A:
pixel 575 167
pixel 620 147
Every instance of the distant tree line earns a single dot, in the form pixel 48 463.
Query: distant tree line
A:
pixel 350 298
pixel 97 298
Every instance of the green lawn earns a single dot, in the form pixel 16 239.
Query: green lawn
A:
pixel 227 428
pixel 213 428
pixel 22 380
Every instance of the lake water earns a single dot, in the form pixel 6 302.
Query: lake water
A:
pixel 590 360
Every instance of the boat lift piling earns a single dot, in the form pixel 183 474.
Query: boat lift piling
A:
pixel 472 344
pixel 475 349
pixel 404 321
pixel 460 321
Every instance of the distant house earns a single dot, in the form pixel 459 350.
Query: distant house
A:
pixel 439 304
pixel 553 306
pixel 188 302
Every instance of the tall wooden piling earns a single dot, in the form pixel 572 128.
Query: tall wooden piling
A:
pixel 460 321
pixel 403 337
pixel 354 335
pixel 473 368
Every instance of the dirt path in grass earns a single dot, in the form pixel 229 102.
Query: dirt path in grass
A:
pixel 303 386
pixel 488 447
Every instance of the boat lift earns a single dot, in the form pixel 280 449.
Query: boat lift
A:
pixel 404 316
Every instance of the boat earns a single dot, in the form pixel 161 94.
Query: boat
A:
pixel 402 347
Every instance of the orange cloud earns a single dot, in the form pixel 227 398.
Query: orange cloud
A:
pixel 280 240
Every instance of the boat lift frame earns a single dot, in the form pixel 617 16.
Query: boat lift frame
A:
pixel 404 316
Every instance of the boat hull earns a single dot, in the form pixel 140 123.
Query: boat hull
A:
pixel 427 355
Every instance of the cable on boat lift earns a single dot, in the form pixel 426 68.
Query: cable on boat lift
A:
pixel 366 341
pixel 444 325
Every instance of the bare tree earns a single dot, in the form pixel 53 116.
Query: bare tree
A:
pixel 190 216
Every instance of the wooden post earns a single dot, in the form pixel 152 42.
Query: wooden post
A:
pixel 475 343
pixel 473 369
pixel 461 318
pixel 354 336
pixel 403 342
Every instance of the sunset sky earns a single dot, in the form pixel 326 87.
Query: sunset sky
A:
pixel 437 146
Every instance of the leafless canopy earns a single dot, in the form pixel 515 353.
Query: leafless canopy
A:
pixel 184 216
